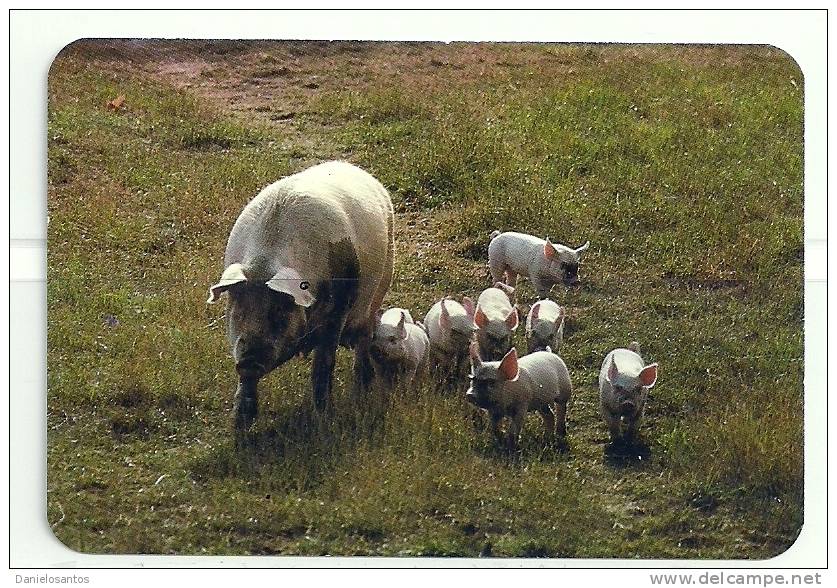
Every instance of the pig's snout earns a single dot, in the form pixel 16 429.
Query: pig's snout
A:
pixel 251 358
pixel 627 407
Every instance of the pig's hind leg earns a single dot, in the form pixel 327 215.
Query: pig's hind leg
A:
pixel 561 418
pixel 511 278
pixel 548 415
pixel 497 269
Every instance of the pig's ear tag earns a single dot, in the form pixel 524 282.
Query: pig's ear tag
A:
pixel 288 281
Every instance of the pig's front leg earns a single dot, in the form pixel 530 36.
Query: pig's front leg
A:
pixel 515 427
pixel 511 278
pixel 541 286
pixel 631 425
pixel 322 372
pixel 363 369
pixel 496 418
pixel 614 424
pixel 246 404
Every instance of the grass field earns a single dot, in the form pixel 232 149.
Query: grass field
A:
pixel 682 166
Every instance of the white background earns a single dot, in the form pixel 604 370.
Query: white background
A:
pixel 37 36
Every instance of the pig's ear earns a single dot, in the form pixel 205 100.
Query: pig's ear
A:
pixel 549 250
pixel 533 315
pixel 612 372
pixel 559 320
pixel 288 281
pixel 474 352
pixel 234 274
pixel 512 320
pixel 648 375
pixel 468 305
pixel 509 291
pixel 559 325
pixel 582 249
pixel 378 314
pixel 509 370
pixel 444 318
pixel 402 330
pixel 480 320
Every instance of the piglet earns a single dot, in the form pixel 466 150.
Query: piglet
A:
pixel 450 329
pixel 398 351
pixel 512 387
pixel 545 327
pixel 496 320
pixel 511 254
pixel 624 381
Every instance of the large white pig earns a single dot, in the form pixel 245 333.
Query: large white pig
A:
pixel 307 265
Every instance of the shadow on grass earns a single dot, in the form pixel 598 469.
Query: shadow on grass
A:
pixel 295 446
pixel 622 454
pixel 536 449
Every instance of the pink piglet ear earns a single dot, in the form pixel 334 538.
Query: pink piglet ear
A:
pixel 549 250
pixel 468 304
pixel 536 310
pixel 509 370
pixel 512 320
pixel 444 318
pixel 612 371
pixel 480 320
pixel 648 375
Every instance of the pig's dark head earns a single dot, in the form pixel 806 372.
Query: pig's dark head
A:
pixel 488 378
pixel 563 262
pixel 495 336
pixel 265 326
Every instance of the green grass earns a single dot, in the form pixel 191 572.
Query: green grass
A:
pixel 682 166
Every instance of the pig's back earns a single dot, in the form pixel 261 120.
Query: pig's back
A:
pixel 296 221
pixel 548 310
pixel 518 250
pixel 393 316
pixel 417 341
pixel 628 363
pixel 431 324
pixel 548 376
pixel 494 303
